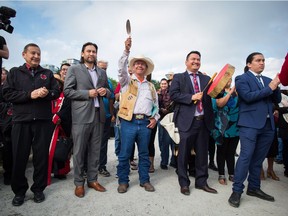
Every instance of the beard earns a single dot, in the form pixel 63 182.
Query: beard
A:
pixel 90 60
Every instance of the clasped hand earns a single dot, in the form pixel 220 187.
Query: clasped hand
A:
pixel 97 92
pixel 197 96
pixel 39 93
pixel 274 83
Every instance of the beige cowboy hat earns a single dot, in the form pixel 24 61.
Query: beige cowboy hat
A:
pixel 169 75
pixel 148 61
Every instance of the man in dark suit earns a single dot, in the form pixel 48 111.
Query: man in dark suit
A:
pixel 193 116
pixel 86 85
pixel 257 94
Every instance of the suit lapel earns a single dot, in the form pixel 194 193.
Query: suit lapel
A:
pixel 202 82
pixel 266 81
pixel 189 83
pixel 85 70
pixel 251 75
pixel 100 79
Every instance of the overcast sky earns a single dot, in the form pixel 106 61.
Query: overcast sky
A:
pixel 224 32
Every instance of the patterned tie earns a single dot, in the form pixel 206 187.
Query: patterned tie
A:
pixel 32 72
pixel 259 80
pixel 197 89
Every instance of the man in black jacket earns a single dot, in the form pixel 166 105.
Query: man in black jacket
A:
pixel 30 88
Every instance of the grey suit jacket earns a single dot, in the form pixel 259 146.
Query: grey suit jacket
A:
pixel 77 84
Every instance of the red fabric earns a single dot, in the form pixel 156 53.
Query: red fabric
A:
pixel 283 76
pixel 66 169
pixel 197 89
pixel 117 89
pixel 55 118
pixel 56 106
pixel 51 152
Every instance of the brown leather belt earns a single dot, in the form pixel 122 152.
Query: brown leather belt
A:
pixel 200 117
pixel 139 116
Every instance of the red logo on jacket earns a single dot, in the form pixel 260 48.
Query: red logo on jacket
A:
pixel 43 76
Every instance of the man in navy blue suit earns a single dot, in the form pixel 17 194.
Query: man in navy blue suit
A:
pixel 257 94
pixel 193 115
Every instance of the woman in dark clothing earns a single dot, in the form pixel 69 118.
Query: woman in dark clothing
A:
pixel 226 132
pixel 165 141
pixel 61 108
pixel 283 128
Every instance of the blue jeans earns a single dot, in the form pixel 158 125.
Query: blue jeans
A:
pixel 117 139
pixel 279 156
pixel 131 132
pixel 165 142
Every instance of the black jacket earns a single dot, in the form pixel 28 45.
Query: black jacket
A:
pixel 17 90
pixel 181 92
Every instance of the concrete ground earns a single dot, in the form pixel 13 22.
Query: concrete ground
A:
pixel 166 200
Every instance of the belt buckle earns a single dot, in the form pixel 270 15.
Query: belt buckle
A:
pixel 201 117
pixel 139 116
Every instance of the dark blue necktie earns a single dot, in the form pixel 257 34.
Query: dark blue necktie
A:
pixel 259 80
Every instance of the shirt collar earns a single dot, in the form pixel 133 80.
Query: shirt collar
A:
pixel 29 66
pixel 135 78
pixel 255 74
pixel 191 73
pixel 93 69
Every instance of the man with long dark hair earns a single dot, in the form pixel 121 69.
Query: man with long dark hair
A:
pixel 257 94
pixel 86 85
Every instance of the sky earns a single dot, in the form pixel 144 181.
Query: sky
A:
pixel 225 32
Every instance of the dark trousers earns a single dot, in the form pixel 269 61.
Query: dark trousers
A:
pixel 104 144
pixel 151 143
pixel 285 154
pixel 226 153
pixel 7 154
pixel 35 134
pixel 255 144
pixel 198 137
pixel 211 149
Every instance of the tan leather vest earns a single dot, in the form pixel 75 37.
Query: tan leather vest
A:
pixel 128 100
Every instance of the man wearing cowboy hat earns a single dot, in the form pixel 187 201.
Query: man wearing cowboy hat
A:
pixel 139 114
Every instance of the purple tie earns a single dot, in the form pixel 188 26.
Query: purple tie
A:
pixel 196 88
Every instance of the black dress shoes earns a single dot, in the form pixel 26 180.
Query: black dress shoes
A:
pixel 185 190
pixel 164 167
pixel 260 194
pixel 60 177
pixel 234 199
pixel 39 197
pixel 207 189
pixel 213 166
pixel 18 200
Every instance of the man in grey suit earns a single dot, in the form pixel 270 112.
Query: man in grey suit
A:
pixel 86 85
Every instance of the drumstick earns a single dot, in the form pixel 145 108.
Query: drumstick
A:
pixel 211 79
